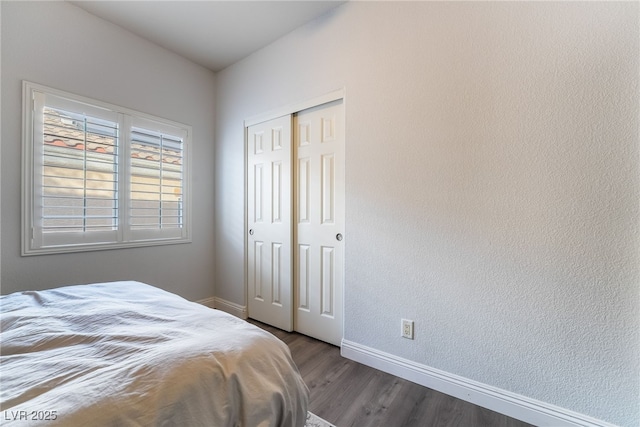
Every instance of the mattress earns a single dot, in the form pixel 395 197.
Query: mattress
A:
pixel 129 354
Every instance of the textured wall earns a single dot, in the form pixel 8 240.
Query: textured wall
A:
pixel 62 46
pixel 492 186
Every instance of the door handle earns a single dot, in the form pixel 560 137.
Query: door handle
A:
pixel 339 237
pixel 251 232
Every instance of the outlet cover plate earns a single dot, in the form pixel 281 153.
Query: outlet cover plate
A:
pixel 407 329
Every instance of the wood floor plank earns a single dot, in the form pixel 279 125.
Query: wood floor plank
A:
pixel 349 394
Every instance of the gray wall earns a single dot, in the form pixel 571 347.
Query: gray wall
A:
pixel 492 186
pixel 62 46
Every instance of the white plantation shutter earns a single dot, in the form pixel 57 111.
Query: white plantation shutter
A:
pixel 75 148
pixel 79 172
pixel 157 185
pixel 99 176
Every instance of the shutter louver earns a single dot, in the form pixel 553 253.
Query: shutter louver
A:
pixel 79 172
pixel 156 180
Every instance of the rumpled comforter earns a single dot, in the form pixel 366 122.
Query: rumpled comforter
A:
pixel 129 354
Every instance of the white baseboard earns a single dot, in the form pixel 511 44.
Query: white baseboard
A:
pixel 230 307
pixel 209 302
pixel 505 402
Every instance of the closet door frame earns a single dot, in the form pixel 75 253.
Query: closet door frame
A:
pixel 290 109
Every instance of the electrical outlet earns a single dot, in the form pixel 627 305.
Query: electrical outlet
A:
pixel 407 329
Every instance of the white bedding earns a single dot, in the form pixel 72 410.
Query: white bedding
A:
pixel 129 354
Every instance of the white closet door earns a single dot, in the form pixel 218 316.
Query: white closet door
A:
pixel 319 222
pixel 269 264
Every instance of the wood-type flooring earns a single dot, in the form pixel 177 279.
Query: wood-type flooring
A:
pixel 349 394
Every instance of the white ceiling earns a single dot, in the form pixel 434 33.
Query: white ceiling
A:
pixel 214 34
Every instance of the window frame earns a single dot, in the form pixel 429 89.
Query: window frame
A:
pixel 33 242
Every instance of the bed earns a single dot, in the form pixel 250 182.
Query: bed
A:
pixel 129 354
